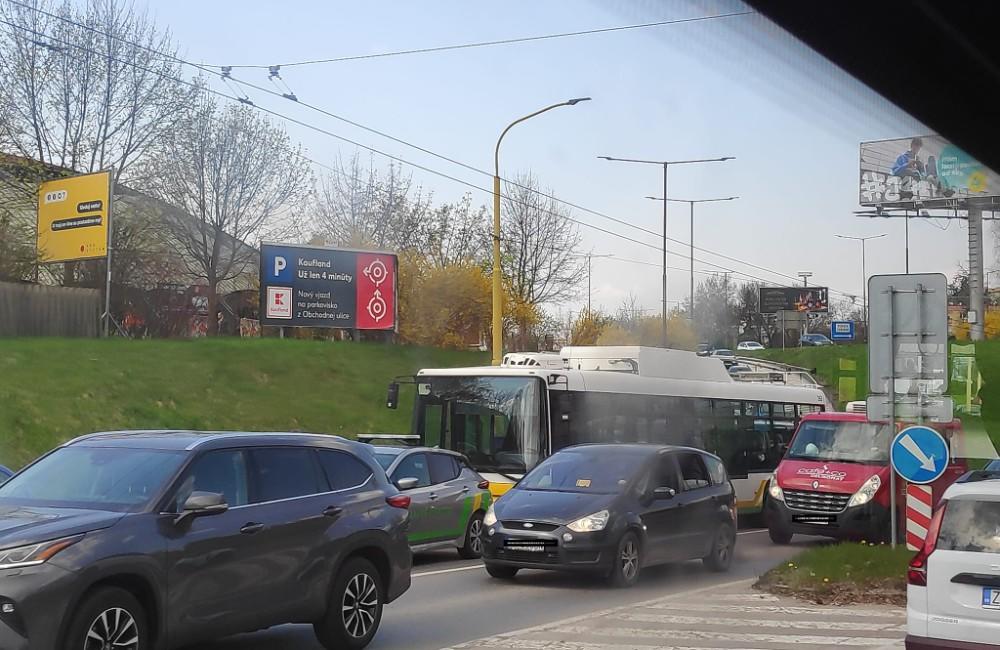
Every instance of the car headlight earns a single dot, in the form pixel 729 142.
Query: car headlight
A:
pixel 866 493
pixel 490 518
pixel 775 490
pixel 34 554
pixel 591 523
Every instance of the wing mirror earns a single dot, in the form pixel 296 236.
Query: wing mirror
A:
pixel 392 398
pixel 202 504
pixel 407 483
pixel 664 493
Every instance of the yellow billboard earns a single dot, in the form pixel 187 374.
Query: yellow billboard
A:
pixel 73 216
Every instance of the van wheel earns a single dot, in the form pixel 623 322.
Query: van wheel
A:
pixel 627 562
pixel 108 618
pixel 355 607
pixel 779 535
pixel 501 572
pixel 473 547
pixel 723 548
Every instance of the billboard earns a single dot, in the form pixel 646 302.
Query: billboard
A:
pixel 73 216
pixel 924 168
pixel 311 286
pixel 804 299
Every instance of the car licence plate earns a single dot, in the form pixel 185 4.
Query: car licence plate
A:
pixel 529 545
pixel 991 598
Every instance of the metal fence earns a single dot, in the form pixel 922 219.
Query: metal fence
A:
pixel 36 310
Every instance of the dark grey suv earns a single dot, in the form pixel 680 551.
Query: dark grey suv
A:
pixel 141 540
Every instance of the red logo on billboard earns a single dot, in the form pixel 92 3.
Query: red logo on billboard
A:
pixel 376 277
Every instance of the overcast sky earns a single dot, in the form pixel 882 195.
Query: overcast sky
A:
pixel 735 86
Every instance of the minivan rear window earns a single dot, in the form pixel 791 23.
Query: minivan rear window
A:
pixel 972 526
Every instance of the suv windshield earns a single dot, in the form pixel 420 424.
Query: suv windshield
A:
pixel 971 526
pixel 102 478
pixel 844 441
pixel 593 471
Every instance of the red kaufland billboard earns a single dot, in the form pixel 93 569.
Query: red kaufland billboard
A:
pixel 312 286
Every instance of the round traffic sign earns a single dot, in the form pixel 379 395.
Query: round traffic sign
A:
pixel 919 454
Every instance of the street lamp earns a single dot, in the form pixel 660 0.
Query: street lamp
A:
pixel 864 272
pixel 691 202
pixel 497 272
pixel 589 257
pixel 665 164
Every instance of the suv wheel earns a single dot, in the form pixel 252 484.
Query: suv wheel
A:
pixel 108 618
pixel 627 562
pixel 355 607
pixel 473 547
pixel 721 555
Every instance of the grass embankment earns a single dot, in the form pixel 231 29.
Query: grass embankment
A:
pixel 847 573
pixel 54 389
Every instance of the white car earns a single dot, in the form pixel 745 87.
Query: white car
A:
pixel 749 345
pixel 722 353
pixel 953 592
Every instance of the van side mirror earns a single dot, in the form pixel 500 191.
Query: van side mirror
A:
pixel 202 504
pixel 407 483
pixel 664 493
pixel 392 398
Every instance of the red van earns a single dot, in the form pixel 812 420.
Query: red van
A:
pixel 834 479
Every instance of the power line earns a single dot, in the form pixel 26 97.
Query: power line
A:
pixel 505 41
pixel 226 76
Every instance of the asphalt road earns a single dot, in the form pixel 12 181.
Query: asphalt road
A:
pixel 453 601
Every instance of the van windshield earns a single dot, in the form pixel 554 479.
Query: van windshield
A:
pixel 844 441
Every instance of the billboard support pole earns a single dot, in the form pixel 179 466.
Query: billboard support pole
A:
pixel 107 286
pixel 976 298
pixel 892 410
pixel 663 329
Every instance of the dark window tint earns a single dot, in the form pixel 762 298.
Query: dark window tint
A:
pixel 716 470
pixel 693 472
pixel 343 470
pixel 284 473
pixel 221 472
pixel 414 466
pixel 385 459
pixel 443 468
pixel 971 526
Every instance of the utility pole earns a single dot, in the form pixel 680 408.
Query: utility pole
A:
pixel 805 275
pixel 864 270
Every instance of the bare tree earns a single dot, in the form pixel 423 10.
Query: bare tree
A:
pixel 453 233
pixel 234 179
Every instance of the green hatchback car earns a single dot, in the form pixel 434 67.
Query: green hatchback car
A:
pixel 448 499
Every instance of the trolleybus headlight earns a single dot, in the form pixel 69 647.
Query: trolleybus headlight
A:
pixel 490 518
pixel 866 493
pixel 775 489
pixel 590 523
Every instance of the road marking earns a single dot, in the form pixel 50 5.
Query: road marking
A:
pixel 532 644
pixel 782 610
pixel 440 571
pixel 707 635
pixel 674 619
pixel 752 532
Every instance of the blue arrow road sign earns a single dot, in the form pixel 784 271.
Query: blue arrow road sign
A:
pixel 919 454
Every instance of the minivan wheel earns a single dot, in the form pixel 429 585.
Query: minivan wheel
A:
pixel 627 562
pixel 721 555
pixel 501 572
pixel 355 608
pixel 108 617
pixel 473 547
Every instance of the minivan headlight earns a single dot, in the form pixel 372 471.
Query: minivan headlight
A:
pixel 866 493
pixel 590 523
pixel 775 490
pixel 34 554
pixel 490 518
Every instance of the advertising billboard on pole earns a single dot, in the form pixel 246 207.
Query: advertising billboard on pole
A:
pixel 311 286
pixel 73 217
pixel 802 299
pixel 925 169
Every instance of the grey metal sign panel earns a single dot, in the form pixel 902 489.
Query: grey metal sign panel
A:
pixel 908 333
pixel 909 408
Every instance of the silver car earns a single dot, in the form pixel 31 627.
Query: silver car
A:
pixel 447 497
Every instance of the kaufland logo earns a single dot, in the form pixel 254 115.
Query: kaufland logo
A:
pixel 279 302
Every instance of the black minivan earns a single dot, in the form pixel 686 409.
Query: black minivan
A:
pixel 613 509
pixel 141 540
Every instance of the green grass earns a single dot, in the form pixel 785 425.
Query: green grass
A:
pixel 876 573
pixel 54 389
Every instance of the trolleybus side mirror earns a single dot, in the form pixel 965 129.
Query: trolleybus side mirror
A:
pixel 392 398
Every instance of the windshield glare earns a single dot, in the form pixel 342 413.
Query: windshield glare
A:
pixel 114 479
pixel 495 421
pixel 596 472
pixel 861 442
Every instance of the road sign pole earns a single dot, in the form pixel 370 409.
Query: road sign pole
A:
pixel 107 286
pixel 892 410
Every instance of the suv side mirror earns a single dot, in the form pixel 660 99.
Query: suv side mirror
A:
pixel 392 398
pixel 202 504
pixel 664 493
pixel 407 483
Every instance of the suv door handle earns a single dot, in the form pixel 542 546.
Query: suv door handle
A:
pixel 333 511
pixel 251 528
pixel 432 496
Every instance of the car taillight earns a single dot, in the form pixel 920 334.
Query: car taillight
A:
pixel 398 501
pixel 916 573
pixel 484 485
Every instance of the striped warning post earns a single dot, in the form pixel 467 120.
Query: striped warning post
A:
pixel 918 514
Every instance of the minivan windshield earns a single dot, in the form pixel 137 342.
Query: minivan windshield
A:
pixel 841 441
pixel 596 470
pixel 101 478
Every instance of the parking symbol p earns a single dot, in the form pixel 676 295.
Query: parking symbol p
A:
pixel 279 265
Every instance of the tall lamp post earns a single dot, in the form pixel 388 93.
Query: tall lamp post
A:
pixel 590 256
pixel 497 269
pixel 665 164
pixel 691 203
pixel 864 271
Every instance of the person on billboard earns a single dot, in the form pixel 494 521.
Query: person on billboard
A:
pixel 908 165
